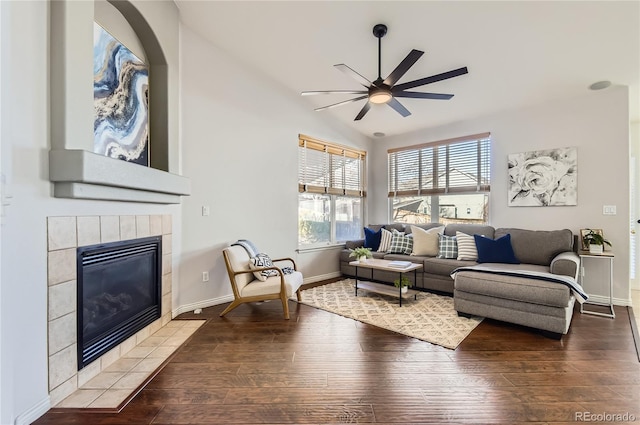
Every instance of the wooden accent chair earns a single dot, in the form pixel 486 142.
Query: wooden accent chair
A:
pixel 247 288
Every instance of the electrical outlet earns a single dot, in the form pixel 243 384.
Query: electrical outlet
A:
pixel 205 276
pixel 206 210
pixel 609 210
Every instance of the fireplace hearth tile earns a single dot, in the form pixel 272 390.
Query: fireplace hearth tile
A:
pixel 155 225
pixel 124 364
pixel 62 333
pixel 63 365
pixel 81 398
pixel 61 266
pixel 166 224
pixel 140 352
pixel 62 299
pixel 127 227
pixel 143 229
pixel 162 352
pixel 110 399
pixel 59 393
pixel 153 341
pixel 110 357
pixel 114 387
pixel 167 241
pixel 130 381
pixel 103 380
pixel 109 228
pixel 88 372
pixel 61 232
pixel 88 230
pixel 148 365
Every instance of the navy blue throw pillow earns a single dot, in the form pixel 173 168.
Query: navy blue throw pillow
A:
pixel 495 251
pixel 372 239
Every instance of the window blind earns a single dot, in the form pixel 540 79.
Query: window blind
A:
pixel 329 168
pixel 460 165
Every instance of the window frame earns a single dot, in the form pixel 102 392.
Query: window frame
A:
pixel 321 170
pixel 428 156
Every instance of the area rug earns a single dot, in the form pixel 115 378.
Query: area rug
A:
pixel 430 318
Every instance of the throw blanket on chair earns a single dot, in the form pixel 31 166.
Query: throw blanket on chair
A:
pixel 574 286
pixel 261 259
pixel 248 246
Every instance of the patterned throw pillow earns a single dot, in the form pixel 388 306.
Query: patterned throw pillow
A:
pixel 466 247
pixel 400 243
pixel 385 240
pixel 447 247
pixel 259 261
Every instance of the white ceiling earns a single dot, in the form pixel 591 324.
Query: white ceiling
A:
pixel 517 53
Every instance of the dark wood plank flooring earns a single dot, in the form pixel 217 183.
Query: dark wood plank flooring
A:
pixel 254 367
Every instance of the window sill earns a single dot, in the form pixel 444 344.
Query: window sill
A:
pixel 320 248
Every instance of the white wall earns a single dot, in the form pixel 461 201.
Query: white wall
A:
pixel 596 123
pixel 239 135
pixel 26 141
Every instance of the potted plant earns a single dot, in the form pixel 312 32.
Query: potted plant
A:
pixel 595 241
pixel 403 283
pixel 361 253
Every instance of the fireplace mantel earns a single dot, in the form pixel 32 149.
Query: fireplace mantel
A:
pixel 80 174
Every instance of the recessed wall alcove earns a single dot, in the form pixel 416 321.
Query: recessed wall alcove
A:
pixel 74 169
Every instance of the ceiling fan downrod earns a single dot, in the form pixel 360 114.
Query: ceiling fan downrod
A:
pixel 380 30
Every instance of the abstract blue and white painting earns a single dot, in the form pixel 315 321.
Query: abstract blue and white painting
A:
pixel 120 99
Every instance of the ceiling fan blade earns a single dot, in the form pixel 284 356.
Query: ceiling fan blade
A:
pixel 403 67
pixel 353 74
pixel 432 79
pixel 398 107
pixel 363 111
pixel 419 95
pixel 355 99
pixel 309 93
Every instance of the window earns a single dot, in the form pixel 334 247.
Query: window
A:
pixel 441 182
pixel 331 192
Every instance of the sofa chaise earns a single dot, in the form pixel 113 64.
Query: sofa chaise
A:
pixel 511 295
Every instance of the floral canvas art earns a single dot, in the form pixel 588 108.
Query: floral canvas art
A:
pixel 120 98
pixel 544 178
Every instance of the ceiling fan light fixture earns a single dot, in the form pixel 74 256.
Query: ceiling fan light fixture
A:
pixel 379 96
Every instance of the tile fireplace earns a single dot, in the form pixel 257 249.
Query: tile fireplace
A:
pixel 69 235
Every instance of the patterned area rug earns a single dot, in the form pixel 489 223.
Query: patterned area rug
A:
pixel 430 318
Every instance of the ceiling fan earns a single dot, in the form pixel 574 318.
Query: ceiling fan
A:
pixel 386 91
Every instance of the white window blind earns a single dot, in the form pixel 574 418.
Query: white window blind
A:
pixel 329 168
pixel 460 165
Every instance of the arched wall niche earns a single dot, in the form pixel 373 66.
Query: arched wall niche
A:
pixel 158 78
pixel 74 169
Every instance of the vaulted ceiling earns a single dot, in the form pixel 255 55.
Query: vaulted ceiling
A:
pixel 517 53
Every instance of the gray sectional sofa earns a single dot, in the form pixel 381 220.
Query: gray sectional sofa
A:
pixel 525 301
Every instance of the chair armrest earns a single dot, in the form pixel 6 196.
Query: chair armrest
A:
pixel 566 263
pixel 286 259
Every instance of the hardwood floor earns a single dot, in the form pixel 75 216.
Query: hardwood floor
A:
pixel 254 367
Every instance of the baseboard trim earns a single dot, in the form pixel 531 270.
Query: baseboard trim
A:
pixel 634 331
pixel 34 412
pixel 228 298
pixel 201 304
pixel 322 277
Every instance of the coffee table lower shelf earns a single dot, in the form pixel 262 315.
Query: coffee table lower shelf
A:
pixel 383 289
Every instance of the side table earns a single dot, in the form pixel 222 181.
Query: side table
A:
pixel 604 256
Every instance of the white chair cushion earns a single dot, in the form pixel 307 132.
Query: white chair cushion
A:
pixel 239 260
pixel 292 282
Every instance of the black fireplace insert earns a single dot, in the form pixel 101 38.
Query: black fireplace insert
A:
pixel 119 293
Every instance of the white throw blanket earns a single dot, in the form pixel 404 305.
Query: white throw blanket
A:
pixel 568 281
